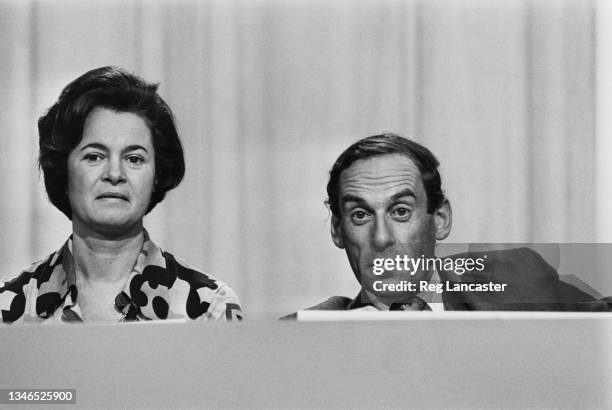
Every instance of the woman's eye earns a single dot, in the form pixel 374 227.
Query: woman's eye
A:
pixel 359 216
pixel 401 213
pixel 92 157
pixel 135 159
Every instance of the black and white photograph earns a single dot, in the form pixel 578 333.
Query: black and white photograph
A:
pixel 306 204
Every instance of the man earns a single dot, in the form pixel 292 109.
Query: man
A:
pixel 388 212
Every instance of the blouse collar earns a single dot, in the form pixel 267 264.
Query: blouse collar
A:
pixel 134 301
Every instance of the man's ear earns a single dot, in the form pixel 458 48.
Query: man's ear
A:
pixel 443 220
pixel 336 232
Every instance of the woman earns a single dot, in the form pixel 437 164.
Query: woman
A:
pixel 109 152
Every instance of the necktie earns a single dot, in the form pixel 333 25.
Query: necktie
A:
pixel 416 304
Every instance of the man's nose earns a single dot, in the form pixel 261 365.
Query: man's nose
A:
pixel 382 235
pixel 115 173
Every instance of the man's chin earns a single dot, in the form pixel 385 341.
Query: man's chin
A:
pixel 390 290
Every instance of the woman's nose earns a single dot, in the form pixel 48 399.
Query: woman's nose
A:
pixel 114 171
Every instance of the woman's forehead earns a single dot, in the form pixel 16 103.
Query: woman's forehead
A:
pixel 115 129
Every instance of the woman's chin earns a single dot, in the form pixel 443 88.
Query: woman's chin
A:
pixel 111 226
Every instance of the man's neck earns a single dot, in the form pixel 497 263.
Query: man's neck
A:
pixel 405 297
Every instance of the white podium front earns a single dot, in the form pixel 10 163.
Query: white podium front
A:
pixel 483 362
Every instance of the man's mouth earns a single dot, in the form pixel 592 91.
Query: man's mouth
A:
pixel 112 195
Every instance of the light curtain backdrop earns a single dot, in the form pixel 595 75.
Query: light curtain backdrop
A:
pixel 268 93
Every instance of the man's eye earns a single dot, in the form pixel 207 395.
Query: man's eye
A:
pixel 401 213
pixel 92 157
pixel 359 216
pixel 135 159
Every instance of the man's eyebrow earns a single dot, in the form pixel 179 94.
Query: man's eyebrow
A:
pixel 352 198
pixel 402 193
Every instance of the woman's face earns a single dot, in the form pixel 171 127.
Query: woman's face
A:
pixel 111 173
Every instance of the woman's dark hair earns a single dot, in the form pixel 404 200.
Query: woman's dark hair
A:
pixel 61 129
pixel 383 144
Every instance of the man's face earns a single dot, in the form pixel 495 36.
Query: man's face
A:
pixel 383 214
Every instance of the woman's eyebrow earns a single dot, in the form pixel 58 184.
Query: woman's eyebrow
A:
pixel 96 145
pixel 134 148
pixel 103 147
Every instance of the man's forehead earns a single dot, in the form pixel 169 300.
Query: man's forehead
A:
pixel 388 173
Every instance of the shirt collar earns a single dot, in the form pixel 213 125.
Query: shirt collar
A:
pixel 363 299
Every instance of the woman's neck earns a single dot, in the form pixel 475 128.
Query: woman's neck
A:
pixel 99 258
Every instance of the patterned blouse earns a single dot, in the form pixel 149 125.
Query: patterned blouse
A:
pixel 159 287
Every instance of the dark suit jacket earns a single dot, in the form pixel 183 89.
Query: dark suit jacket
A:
pixel 531 285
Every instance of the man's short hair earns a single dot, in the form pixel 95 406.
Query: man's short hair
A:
pixel 61 129
pixel 384 144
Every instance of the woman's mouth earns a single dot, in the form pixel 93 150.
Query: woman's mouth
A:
pixel 112 195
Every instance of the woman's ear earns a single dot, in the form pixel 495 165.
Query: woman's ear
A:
pixel 443 220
